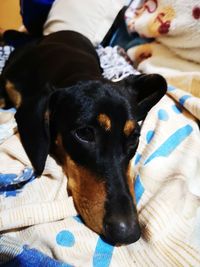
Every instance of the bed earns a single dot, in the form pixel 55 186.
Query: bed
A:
pixel 39 225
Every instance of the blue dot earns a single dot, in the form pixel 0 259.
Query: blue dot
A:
pixel 7 179
pixel 30 257
pixel 137 158
pixel 163 115
pixel 65 239
pixel 149 136
pixel 171 143
pixel 78 219
pixel 11 193
pixel 138 188
pixel 10 110
pixel 103 254
pixel 183 99
pixel 176 109
pixel 170 88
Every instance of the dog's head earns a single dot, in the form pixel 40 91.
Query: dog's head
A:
pixel 92 130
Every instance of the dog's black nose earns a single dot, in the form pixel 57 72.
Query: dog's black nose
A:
pixel 119 231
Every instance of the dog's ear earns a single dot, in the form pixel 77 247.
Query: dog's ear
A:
pixel 33 126
pixel 146 90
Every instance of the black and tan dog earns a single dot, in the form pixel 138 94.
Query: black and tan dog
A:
pixel 90 125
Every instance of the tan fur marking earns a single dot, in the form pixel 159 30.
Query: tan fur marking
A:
pixel 129 127
pixel 2 103
pixel 13 94
pixel 47 116
pixel 104 121
pixel 130 181
pixel 89 193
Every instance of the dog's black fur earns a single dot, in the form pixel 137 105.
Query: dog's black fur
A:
pixel 89 124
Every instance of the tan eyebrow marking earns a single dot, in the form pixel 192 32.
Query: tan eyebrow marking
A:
pixel 129 127
pixel 104 121
pixel 13 94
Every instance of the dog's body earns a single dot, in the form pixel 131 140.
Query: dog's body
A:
pixel 89 124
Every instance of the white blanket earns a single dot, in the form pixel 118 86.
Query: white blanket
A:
pixel 166 173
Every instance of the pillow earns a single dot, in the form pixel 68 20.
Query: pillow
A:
pixel 92 18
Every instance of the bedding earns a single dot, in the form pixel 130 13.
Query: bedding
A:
pixel 174 53
pixel 91 18
pixel 39 225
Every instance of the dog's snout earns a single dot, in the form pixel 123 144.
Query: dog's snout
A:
pixel 121 231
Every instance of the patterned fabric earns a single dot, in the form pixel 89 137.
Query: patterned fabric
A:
pixel 175 25
pixel 7 121
pixel 40 226
pixel 7 124
pixel 115 63
pixel 14 254
pixel 167 185
pixel 4 54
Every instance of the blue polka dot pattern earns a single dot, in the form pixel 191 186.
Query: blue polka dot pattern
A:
pixel 176 109
pixel 78 219
pixel 163 115
pixel 183 99
pixel 103 254
pixel 149 136
pixel 170 88
pixel 137 158
pixel 32 257
pixel 65 239
pixel 11 184
pixel 171 143
pixel 138 188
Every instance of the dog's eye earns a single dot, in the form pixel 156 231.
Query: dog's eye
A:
pixel 85 134
pixel 133 141
pixel 132 147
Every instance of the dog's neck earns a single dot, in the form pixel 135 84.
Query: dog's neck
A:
pixel 80 77
pixel 69 58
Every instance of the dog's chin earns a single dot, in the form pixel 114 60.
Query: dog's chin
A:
pixel 118 242
pixel 123 243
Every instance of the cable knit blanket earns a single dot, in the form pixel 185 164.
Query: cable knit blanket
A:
pixel 39 225
pixel 175 53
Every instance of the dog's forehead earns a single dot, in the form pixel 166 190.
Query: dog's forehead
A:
pixel 97 98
